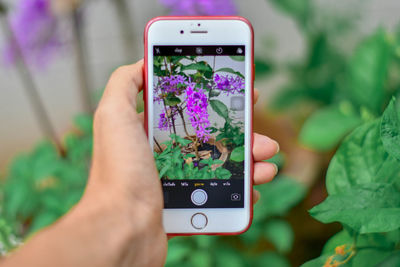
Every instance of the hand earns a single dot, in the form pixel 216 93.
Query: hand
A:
pixel 118 221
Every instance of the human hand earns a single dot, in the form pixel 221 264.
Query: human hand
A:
pixel 123 162
pixel 118 221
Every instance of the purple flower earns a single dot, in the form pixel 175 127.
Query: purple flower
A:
pixel 196 109
pixel 166 118
pixel 174 84
pixel 200 7
pixel 35 30
pixel 229 84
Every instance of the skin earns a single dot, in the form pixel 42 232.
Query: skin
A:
pixel 118 220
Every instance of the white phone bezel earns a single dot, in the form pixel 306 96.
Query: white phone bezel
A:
pixel 219 32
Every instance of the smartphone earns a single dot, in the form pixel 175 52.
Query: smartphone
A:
pixel 198 116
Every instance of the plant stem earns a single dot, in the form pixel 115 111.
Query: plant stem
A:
pixel 31 89
pixel 158 145
pixel 184 123
pixel 212 79
pixel 81 61
pixel 196 148
pixel 173 121
pixel 127 29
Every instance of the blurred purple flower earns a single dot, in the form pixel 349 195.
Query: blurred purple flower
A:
pixel 35 30
pixel 169 84
pixel 229 84
pixel 166 118
pixel 200 7
pixel 196 109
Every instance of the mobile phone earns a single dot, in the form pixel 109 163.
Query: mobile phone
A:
pixel 198 116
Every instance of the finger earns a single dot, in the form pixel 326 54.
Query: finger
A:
pixel 264 172
pixel 124 85
pixel 256 95
pixel 256 196
pixel 264 147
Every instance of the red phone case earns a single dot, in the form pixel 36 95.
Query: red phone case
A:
pixel 252 98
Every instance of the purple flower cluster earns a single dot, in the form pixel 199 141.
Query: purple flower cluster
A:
pixel 169 84
pixel 229 84
pixel 166 118
pixel 35 30
pixel 200 7
pixel 196 109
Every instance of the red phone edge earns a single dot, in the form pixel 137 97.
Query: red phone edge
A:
pixel 251 101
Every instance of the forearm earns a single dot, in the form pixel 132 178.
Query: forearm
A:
pixel 92 234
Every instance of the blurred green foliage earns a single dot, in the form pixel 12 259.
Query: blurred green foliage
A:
pixel 269 231
pixel 43 185
pixel 340 87
pixel 336 90
pixel 363 182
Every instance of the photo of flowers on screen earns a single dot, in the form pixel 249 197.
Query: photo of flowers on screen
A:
pixel 199 109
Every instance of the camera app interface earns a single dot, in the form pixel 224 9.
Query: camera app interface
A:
pixel 198 125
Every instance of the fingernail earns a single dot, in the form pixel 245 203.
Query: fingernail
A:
pixel 277 147
pixel 276 168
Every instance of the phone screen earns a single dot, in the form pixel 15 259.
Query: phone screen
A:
pixel 199 125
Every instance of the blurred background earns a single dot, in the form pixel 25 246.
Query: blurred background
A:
pixel 57 55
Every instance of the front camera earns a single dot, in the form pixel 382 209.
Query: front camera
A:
pixel 198 24
pixel 182 32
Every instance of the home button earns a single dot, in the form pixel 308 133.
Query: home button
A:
pixel 199 221
pixel 199 197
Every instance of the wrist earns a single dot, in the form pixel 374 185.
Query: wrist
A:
pixel 112 226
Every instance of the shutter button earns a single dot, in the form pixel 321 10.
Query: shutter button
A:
pixel 199 197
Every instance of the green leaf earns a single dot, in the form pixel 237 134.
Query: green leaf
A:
pixel 84 123
pixel 390 261
pixel 341 238
pixel 222 173
pixel 277 159
pixel 370 257
pixel 42 220
pixel 361 159
pixel 278 197
pixel 279 233
pixel 368 71
pixel 288 97
pixel 220 108
pixel 390 130
pixel 317 262
pixel 228 256
pixel 262 67
pixel 230 70
pixel 200 66
pixel 171 100
pixel 214 93
pixel 326 127
pixel 165 169
pixel 237 58
pixel 251 236
pixel 270 259
pixel 368 208
pixel 238 154
pixel 200 258
pixel 177 252
pixel 298 9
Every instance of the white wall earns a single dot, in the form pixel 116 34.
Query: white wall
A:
pixel 58 86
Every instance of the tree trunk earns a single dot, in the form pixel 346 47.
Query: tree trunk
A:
pixel 30 87
pixel 82 66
